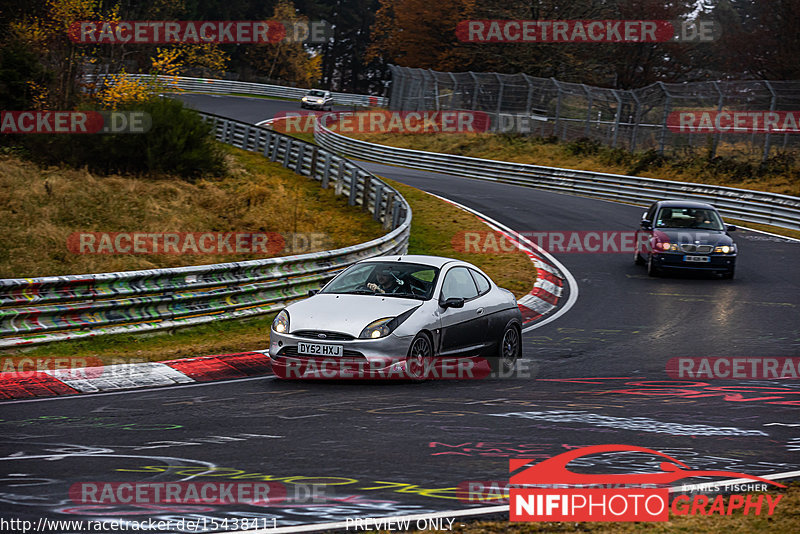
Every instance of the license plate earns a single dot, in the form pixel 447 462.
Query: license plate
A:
pixel 697 259
pixel 318 349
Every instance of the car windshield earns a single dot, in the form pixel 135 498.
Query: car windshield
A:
pixel 685 217
pixel 388 279
pixel 316 93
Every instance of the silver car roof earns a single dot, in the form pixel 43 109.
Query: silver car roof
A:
pixel 433 261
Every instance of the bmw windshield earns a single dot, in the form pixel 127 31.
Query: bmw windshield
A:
pixel 696 218
pixel 389 279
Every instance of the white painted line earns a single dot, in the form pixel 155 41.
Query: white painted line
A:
pixel 573 284
pixel 141 390
pixel 369 522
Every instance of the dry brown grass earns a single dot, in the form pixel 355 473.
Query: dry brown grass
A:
pixel 40 208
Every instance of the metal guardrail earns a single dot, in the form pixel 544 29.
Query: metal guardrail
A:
pixel 744 204
pixel 207 85
pixel 57 308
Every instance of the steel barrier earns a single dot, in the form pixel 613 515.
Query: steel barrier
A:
pixel 208 85
pixel 744 204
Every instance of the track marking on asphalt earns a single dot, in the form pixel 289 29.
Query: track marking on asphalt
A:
pixel 142 390
pixel 485 510
pixel 696 296
pixel 573 284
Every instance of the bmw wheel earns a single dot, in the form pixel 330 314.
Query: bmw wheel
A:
pixel 652 270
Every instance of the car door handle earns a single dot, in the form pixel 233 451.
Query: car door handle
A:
pixel 479 311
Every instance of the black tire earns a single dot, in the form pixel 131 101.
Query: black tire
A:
pixel 508 351
pixel 728 275
pixel 420 357
pixel 637 258
pixel 652 270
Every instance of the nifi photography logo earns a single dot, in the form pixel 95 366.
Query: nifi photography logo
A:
pixel 574 496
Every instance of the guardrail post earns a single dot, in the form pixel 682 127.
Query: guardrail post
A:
pixel 288 153
pixel 313 167
pixel 376 214
pixel 365 191
pixel 351 200
pixel 395 213
pixel 246 138
pixel 326 171
pixel 339 189
pixel 267 140
pixel 387 215
pixel 275 148
pixel 301 152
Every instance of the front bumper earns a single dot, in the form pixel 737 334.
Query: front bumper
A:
pixel 360 359
pixel 675 260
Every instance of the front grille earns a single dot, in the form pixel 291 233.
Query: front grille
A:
pixel 323 334
pixel 291 352
pixel 697 249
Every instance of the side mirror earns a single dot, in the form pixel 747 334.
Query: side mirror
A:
pixel 646 224
pixel 312 292
pixel 731 228
pixel 455 302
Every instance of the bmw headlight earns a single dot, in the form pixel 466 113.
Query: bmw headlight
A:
pixel 319 101
pixel 305 99
pixel 377 329
pixel 725 249
pixel 281 322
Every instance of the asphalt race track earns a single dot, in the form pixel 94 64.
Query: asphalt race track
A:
pixel 594 376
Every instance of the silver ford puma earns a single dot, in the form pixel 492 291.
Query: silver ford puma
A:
pixel 397 313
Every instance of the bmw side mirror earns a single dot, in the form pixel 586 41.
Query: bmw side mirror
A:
pixel 454 302
pixel 731 228
pixel 312 292
pixel 647 224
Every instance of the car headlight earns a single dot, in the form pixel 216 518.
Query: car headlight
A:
pixel 305 99
pixel 281 322
pixel 377 329
pixel 725 249
pixel 319 101
pixel 384 327
pixel 666 245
